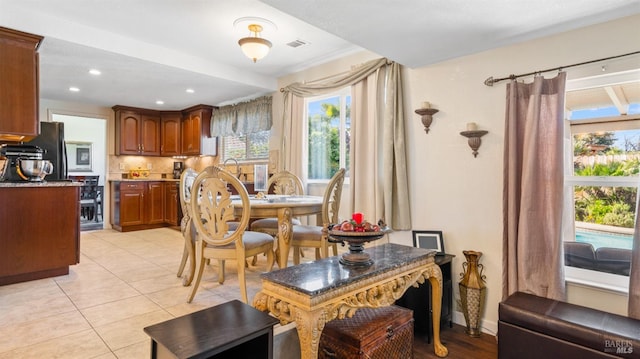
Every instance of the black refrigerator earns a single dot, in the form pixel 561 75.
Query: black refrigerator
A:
pixel 51 140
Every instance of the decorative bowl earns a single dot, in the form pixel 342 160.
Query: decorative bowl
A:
pixel 356 240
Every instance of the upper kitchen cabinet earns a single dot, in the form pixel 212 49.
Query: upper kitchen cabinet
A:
pixel 137 131
pixel 170 133
pixel 19 90
pixel 196 131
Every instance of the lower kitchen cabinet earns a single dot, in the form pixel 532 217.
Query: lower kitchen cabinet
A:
pixel 40 230
pixel 172 211
pixel 142 204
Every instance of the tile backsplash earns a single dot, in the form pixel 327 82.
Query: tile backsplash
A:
pixel 159 166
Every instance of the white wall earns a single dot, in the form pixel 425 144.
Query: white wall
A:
pixel 450 189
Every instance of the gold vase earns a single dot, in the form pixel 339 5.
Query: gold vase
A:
pixel 472 292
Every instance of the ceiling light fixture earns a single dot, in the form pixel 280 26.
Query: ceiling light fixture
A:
pixel 255 47
pixel 74 89
pixel 95 72
pixel 190 91
pixel 159 102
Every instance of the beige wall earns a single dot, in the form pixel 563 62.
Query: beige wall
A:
pixel 450 189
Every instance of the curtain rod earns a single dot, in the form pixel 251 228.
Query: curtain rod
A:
pixel 490 81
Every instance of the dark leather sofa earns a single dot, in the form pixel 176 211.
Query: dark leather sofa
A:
pixel 604 259
pixel 532 327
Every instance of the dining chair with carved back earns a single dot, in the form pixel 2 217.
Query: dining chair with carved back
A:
pixel 187 178
pixel 305 236
pixel 283 183
pixel 210 214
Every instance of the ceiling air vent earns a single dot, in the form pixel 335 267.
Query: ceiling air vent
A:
pixel 296 43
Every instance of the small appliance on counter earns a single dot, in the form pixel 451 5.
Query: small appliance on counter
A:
pixel 51 140
pixel 178 167
pixel 23 163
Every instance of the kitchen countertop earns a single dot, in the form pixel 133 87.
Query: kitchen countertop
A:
pixel 40 184
pixel 145 180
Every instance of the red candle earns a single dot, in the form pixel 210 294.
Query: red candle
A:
pixel 357 217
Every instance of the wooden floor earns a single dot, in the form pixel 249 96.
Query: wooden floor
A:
pixel 460 345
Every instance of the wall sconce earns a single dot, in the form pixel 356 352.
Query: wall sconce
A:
pixel 426 113
pixel 473 134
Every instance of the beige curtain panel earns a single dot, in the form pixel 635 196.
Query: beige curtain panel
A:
pixel 377 109
pixel 533 259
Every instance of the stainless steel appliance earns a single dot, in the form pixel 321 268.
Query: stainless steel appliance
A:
pixel 51 140
pixel 178 167
pixel 23 163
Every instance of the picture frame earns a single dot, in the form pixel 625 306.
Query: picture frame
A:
pixel 79 156
pixel 83 156
pixel 429 240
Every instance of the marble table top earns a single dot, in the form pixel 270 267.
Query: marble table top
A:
pixel 317 277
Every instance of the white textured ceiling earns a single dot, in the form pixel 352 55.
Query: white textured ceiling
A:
pixel 152 50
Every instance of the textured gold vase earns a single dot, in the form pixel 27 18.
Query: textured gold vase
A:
pixel 472 292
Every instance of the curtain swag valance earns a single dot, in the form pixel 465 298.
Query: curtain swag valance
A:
pixel 242 118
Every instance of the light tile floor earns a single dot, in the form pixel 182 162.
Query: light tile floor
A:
pixel 124 282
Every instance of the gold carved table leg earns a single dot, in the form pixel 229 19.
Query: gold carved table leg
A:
pixel 309 326
pixel 435 278
pixel 284 236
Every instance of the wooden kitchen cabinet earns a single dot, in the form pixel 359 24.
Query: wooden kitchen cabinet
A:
pixel 19 88
pixel 155 203
pixel 131 204
pixel 172 203
pixel 196 132
pixel 170 138
pixel 40 230
pixel 137 131
pixel 143 204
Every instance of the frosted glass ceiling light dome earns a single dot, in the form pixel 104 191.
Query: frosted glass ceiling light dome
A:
pixel 255 47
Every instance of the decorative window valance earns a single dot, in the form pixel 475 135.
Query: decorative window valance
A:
pixel 242 118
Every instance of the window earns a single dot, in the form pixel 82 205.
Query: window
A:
pixel 603 167
pixel 254 146
pixel 328 130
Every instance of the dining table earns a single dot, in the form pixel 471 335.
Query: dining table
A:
pixel 284 208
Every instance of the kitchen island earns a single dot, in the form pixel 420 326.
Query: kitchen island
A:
pixel 40 224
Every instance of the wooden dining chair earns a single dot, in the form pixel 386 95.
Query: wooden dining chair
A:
pixel 210 214
pixel 316 236
pixel 187 178
pixel 91 204
pixel 283 183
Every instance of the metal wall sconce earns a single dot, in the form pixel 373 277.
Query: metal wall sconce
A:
pixel 426 113
pixel 473 134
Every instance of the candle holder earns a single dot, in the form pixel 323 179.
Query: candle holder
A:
pixel 427 116
pixel 474 139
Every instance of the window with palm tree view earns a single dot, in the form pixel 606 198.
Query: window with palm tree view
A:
pixel 604 127
pixel 329 134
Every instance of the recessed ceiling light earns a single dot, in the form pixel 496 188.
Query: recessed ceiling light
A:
pixel 190 91
pixel 159 102
pixel 95 72
pixel 74 89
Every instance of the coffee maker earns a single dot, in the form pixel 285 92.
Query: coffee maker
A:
pixel 178 167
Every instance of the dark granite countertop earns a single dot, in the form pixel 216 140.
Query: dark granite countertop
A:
pixel 39 184
pixel 145 180
pixel 319 276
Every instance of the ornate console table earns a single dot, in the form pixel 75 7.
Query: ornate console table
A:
pixel 312 294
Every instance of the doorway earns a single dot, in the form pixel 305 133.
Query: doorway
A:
pixel 86 141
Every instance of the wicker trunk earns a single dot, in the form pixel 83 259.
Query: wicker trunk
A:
pixel 379 333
